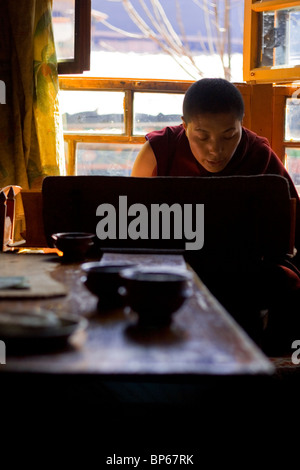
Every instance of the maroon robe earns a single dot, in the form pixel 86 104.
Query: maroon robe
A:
pixel 253 156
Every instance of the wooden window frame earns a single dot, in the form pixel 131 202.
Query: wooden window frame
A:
pixel 251 48
pixel 82 41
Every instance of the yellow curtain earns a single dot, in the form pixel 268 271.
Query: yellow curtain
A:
pixel 31 141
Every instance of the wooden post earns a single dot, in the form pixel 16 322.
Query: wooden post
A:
pixel 262 110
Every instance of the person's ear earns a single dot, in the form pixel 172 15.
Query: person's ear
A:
pixel 184 123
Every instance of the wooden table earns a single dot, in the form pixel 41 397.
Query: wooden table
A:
pixel 110 388
pixel 203 339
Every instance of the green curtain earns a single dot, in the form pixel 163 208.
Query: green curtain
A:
pixel 31 140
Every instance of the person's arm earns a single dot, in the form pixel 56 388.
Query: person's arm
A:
pixel 145 163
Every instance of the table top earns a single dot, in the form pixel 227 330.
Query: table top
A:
pixel 203 339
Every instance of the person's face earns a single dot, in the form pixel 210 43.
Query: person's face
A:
pixel 213 139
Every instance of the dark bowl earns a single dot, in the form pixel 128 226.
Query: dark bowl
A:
pixel 155 294
pixel 104 281
pixel 74 245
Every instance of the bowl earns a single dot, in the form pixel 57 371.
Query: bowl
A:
pixel 104 281
pixel 74 245
pixel 155 294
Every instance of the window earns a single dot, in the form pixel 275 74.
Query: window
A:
pixel 105 119
pixel 104 129
pixel 292 136
pixel 72 34
pixel 112 159
pixel 271 41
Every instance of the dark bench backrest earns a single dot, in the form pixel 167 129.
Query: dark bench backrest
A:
pixel 243 215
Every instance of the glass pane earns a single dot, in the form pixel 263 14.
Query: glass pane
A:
pixel 105 159
pixel 280 40
pixel 63 17
pixel 94 112
pixel 153 111
pixel 293 164
pixel 169 39
pixel 292 119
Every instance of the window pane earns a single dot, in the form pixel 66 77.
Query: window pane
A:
pixel 154 111
pixel 175 39
pixel 66 150
pixel 292 119
pixel 293 164
pixel 280 40
pixel 63 17
pixel 105 159
pixel 95 112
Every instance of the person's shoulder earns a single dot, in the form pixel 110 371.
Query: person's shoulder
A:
pixel 167 132
pixel 259 155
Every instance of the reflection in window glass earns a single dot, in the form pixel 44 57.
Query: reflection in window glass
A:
pixel 153 111
pixel 105 159
pixel 280 40
pixel 292 119
pixel 66 150
pixel 63 18
pixel 293 164
pixel 95 112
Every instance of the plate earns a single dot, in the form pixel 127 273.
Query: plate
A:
pixel 30 331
